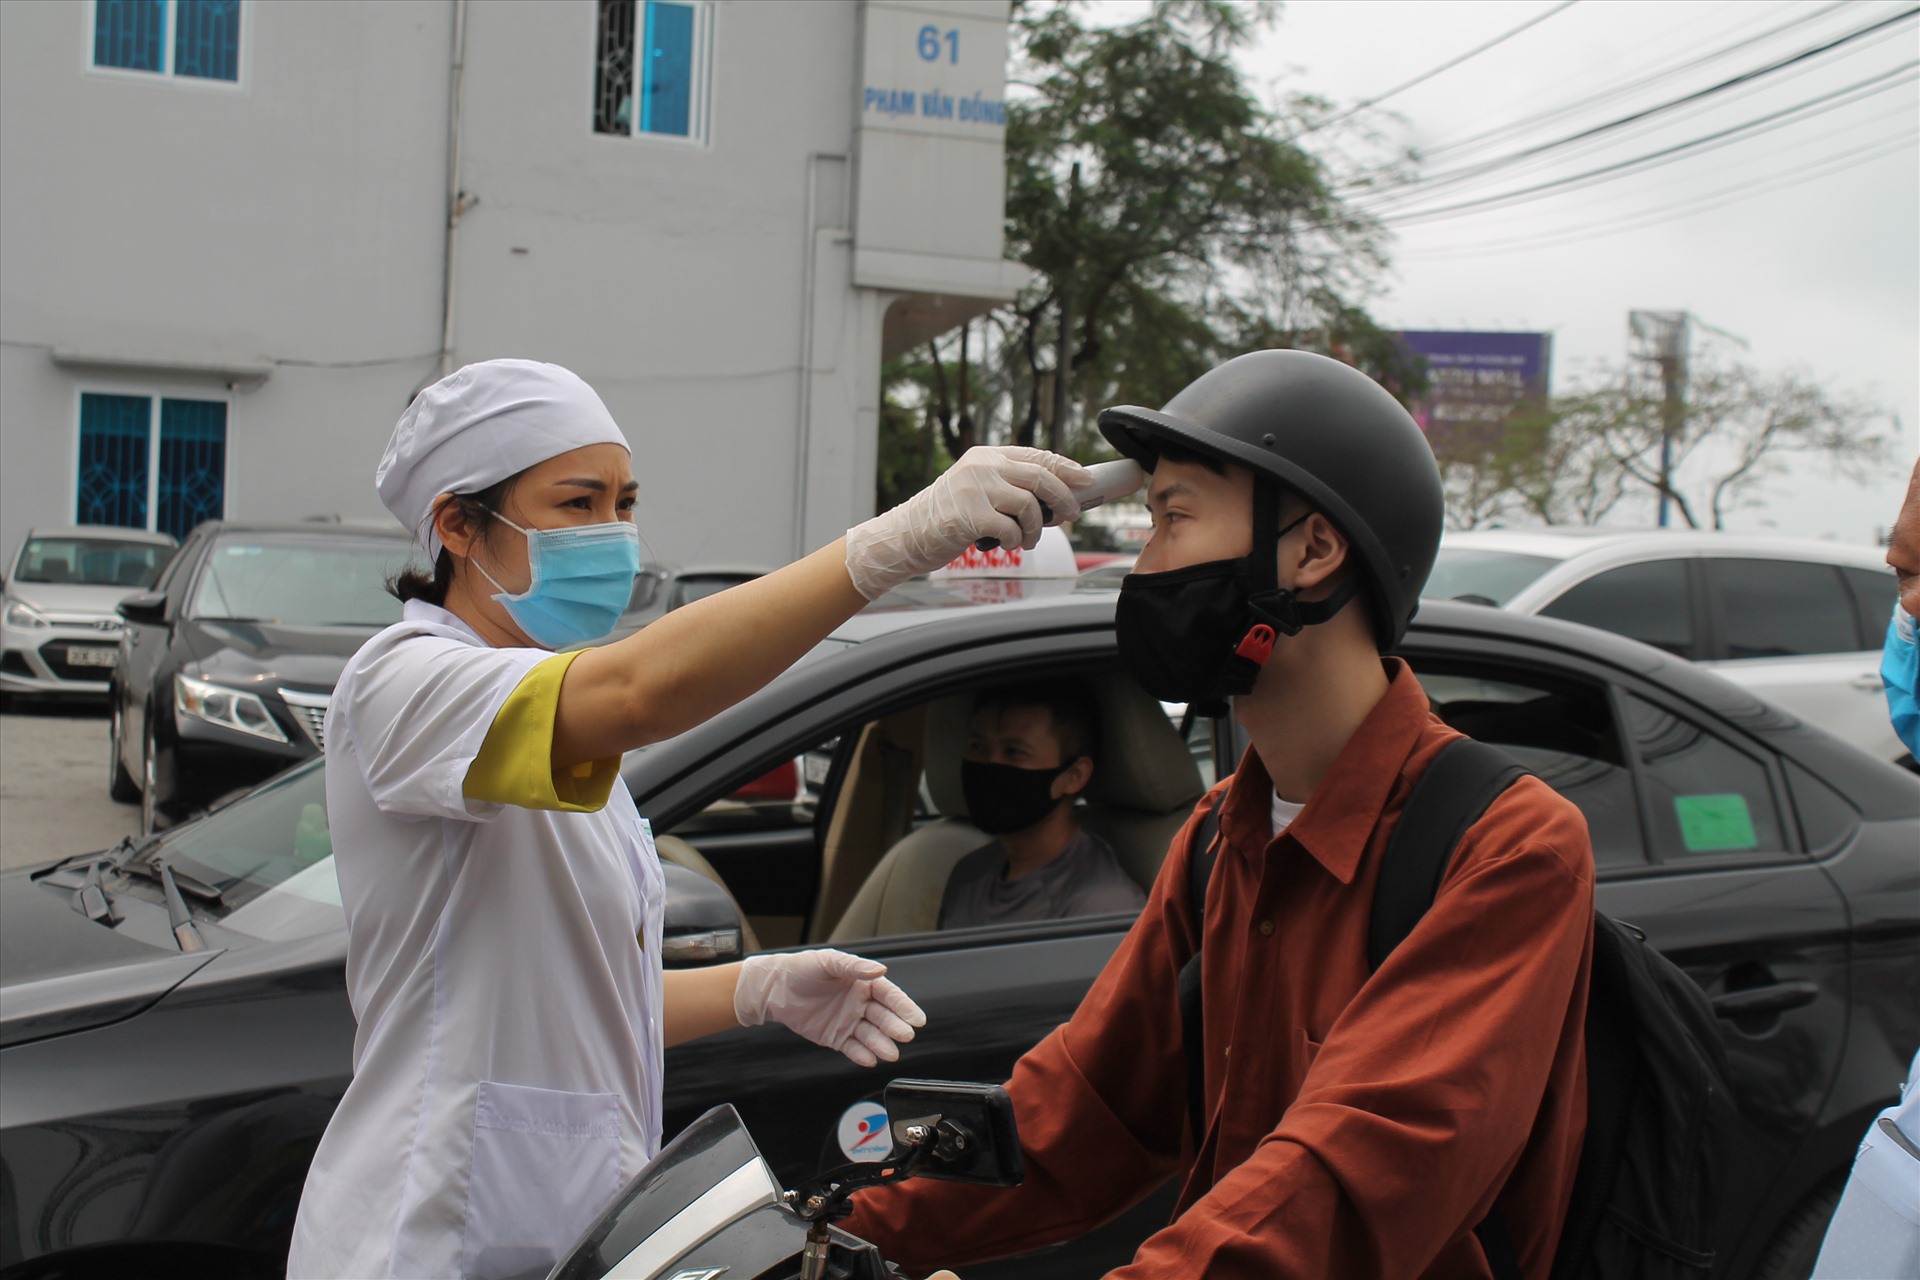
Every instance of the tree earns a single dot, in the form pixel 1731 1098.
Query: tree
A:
pixel 1167 214
pixel 1739 428
pixel 1577 459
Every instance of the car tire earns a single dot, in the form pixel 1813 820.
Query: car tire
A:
pixel 149 802
pixel 120 784
pixel 1796 1247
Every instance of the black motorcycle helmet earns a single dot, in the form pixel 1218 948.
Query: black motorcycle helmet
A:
pixel 1331 434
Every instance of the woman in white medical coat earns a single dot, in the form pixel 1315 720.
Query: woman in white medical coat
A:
pixel 502 896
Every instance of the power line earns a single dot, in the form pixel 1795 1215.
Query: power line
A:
pixel 1701 202
pixel 1705 202
pixel 1754 95
pixel 1760 124
pixel 1416 188
pixel 1473 141
pixel 1448 65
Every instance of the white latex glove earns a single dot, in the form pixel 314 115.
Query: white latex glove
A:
pixel 832 998
pixel 992 492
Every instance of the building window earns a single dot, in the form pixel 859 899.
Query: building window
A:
pixel 151 462
pixel 650 68
pixel 195 39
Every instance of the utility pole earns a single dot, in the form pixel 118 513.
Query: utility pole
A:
pixel 1664 339
pixel 1063 358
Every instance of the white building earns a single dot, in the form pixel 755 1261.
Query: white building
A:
pixel 226 260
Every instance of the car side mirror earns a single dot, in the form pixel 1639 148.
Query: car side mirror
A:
pixel 702 924
pixel 149 609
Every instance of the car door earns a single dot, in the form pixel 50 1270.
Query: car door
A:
pixel 1791 631
pixel 1696 843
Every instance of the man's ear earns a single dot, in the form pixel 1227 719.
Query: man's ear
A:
pixel 1318 555
pixel 1075 779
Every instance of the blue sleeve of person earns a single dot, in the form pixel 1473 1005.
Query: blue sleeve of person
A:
pixel 1900 673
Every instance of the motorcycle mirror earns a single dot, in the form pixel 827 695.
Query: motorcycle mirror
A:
pixel 970 1128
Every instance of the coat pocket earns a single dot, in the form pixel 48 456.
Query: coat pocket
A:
pixel 545 1163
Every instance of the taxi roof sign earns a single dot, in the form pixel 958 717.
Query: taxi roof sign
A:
pixel 1051 557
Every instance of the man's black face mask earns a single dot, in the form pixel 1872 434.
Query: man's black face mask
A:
pixel 1200 635
pixel 1004 797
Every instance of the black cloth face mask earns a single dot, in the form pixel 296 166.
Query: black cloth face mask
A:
pixel 1200 635
pixel 1004 797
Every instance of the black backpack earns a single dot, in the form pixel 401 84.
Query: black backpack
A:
pixel 1660 1113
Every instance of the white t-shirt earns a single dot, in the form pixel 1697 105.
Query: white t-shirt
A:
pixel 1284 812
pixel 507 1063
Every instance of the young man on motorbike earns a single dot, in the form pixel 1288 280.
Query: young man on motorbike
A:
pixel 1353 1123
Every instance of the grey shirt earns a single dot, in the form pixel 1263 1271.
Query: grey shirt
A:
pixel 1085 879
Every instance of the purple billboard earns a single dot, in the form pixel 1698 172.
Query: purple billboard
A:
pixel 1474 380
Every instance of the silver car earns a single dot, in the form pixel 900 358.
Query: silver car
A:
pixel 59 634
pixel 1799 622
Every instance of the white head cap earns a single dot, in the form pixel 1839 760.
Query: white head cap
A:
pixel 481 424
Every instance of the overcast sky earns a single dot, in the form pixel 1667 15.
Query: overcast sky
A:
pixel 1822 276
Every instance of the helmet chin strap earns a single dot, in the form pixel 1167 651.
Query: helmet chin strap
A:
pixel 1275 610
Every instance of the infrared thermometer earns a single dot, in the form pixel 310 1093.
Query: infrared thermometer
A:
pixel 1110 480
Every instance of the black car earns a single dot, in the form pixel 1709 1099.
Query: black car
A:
pixel 226 665
pixel 160 1107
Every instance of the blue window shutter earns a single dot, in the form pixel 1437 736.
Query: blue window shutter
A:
pixel 128 33
pixel 193 464
pixel 669 68
pixel 206 39
pixel 112 484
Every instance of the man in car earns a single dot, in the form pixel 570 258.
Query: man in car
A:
pixel 1351 1122
pixel 1030 751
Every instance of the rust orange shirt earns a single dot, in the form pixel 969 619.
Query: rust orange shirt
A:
pixel 1360 1124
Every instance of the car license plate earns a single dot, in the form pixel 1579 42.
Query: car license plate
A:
pixel 93 657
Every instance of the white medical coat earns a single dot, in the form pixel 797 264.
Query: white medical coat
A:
pixel 507 1062
pixel 1875 1230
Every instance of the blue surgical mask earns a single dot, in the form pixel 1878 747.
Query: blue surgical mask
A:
pixel 1900 673
pixel 582 580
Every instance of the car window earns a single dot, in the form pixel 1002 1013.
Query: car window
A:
pixel 1873 592
pixel 1781 608
pixel 783 798
pixel 93 562
pixel 1705 796
pixel 1646 602
pixel 173 574
pixel 301 582
pixel 1563 731
pixel 1827 818
pixel 1482 577
pixel 271 857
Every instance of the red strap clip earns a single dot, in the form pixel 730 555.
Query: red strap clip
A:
pixel 1257 645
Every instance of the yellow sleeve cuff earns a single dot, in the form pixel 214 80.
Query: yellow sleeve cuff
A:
pixel 515 764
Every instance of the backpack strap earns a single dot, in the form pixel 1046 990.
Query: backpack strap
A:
pixel 1456 789
pixel 1200 859
pixel 1449 797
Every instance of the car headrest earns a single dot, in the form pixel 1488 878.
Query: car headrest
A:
pixel 1142 763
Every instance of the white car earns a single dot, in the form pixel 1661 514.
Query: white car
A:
pixel 1797 621
pixel 59 633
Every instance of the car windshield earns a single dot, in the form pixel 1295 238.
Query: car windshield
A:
pixel 312 582
pixel 1483 577
pixel 93 562
pixel 270 856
